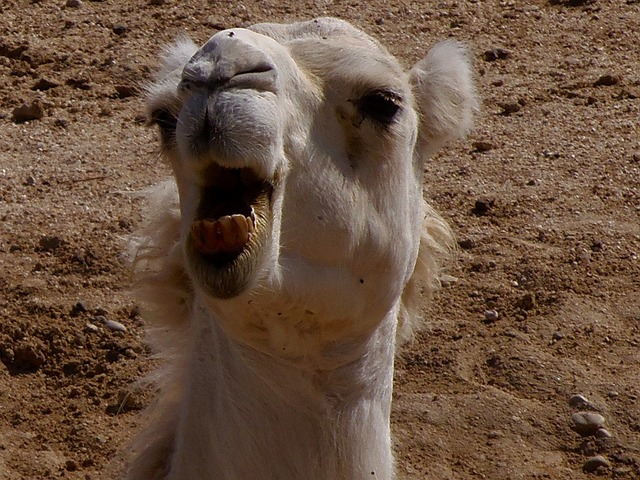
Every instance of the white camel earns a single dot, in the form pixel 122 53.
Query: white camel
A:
pixel 280 279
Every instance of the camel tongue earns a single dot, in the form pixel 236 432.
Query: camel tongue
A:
pixel 228 234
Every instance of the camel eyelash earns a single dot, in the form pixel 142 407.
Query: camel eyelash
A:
pixel 381 106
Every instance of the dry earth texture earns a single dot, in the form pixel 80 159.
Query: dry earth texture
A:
pixel 542 302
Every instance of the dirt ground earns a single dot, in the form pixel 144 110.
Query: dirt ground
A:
pixel 542 302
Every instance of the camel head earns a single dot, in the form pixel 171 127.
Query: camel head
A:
pixel 298 152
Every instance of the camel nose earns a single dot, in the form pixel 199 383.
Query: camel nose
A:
pixel 230 59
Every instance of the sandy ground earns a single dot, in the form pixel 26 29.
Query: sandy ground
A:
pixel 543 300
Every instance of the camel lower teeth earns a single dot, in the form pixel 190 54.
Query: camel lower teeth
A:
pixel 229 233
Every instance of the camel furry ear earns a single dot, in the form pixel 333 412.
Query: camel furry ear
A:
pixel 445 95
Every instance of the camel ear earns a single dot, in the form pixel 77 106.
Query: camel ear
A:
pixel 445 96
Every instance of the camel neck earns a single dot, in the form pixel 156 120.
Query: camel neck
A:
pixel 252 415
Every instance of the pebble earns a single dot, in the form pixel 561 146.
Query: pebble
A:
pixel 482 207
pixel 74 3
pixel 594 463
pixel 77 309
pixel 581 402
pixel 491 315
pixel 91 327
pixel 603 433
pixel 467 244
pixel 606 80
pixel 587 423
pixel 114 326
pixel 482 146
pixel 510 107
pixel 44 84
pixel 27 111
pixel 496 54
pixel 50 243
pixel 120 29
pixel 613 394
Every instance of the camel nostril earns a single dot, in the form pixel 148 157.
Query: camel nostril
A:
pixel 260 77
pixel 259 68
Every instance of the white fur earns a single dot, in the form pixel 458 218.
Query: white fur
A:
pixel 291 377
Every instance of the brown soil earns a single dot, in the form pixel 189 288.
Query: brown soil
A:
pixel 544 196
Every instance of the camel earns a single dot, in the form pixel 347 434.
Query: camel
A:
pixel 287 259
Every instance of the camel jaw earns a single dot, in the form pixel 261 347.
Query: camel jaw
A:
pixel 230 230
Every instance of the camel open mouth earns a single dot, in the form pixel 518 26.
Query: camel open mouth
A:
pixel 229 229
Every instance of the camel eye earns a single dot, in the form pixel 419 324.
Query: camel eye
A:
pixel 167 122
pixel 381 106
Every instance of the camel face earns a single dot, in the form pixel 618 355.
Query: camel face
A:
pixel 287 152
pixel 298 156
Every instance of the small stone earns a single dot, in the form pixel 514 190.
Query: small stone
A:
pixel 61 123
pixel 466 244
pixel 581 402
pixel 491 315
pixel 159 3
pixel 77 309
pixel 482 207
pixel 120 29
pixel 50 243
pixel 613 394
pixel 100 319
pixel 74 3
pixel 494 54
pixel 557 336
pixel 90 327
pixel 482 146
pixel 27 112
pixel 114 326
pixel 606 80
pixel 596 245
pixel 603 433
pixel 510 107
pixel 594 463
pixel 587 423
pixel 44 84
